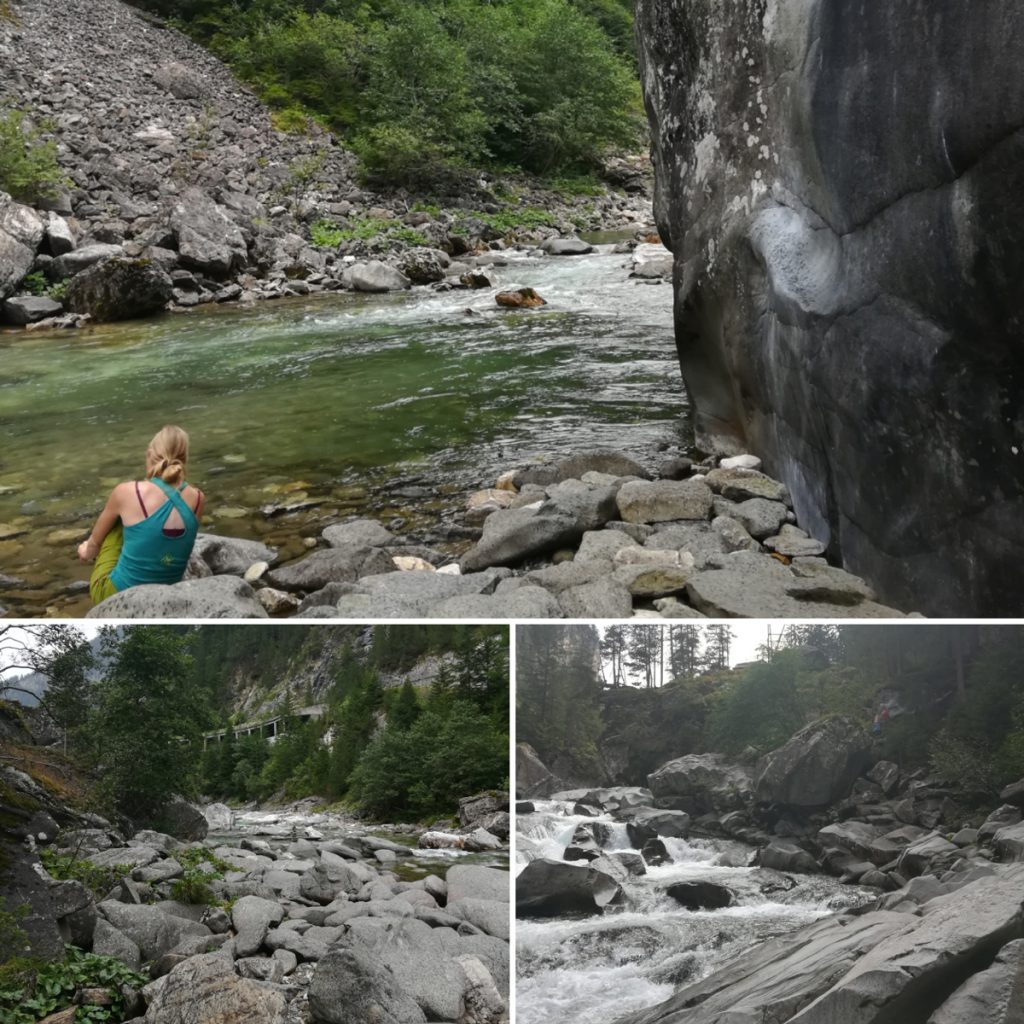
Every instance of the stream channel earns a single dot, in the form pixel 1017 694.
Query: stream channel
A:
pixel 394 407
pixel 596 969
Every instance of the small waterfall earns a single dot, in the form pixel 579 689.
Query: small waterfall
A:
pixel 593 970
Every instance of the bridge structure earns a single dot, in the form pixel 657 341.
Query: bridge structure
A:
pixel 269 728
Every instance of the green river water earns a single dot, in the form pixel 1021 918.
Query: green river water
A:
pixel 395 407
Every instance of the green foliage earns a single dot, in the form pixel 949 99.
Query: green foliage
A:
pixel 53 986
pixel 424 769
pixel 29 169
pixel 760 708
pixel 201 866
pixel 326 235
pixel 68 867
pixel 148 716
pixel 422 91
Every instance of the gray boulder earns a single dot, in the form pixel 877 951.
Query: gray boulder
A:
pixel 231 556
pixel 110 941
pixel 512 535
pixel 533 779
pixel 335 565
pixel 817 766
pixel 208 239
pixel 846 311
pixel 119 289
pixel 59 238
pixel 352 986
pixel 783 855
pixel 474 881
pixel 1009 842
pixel 552 888
pixel 374 276
pixel 992 996
pixel 216 597
pixel 149 928
pixel 73 263
pixel 206 988
pixel 566 247
pixel 29 309
pixel 698 783
pixel 252 918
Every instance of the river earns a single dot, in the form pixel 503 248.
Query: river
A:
pixel 594 970
pixel 392 406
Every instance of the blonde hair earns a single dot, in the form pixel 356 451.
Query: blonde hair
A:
pixel 167 455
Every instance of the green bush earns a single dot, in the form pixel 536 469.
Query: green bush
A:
pixel 51 987
pixel 29 170
pixel 326 235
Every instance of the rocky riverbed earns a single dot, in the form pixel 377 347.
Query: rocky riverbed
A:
pixel 594 535
pixel 311 917
pixel 934 892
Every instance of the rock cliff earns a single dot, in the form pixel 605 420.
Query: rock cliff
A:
pixel 840 186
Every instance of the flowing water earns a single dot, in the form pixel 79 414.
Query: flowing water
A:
pixel 594 970
pixel 394 407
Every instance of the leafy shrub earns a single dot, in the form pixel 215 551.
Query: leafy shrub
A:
pixel 326 235
pixel 52 987
pixel 29 170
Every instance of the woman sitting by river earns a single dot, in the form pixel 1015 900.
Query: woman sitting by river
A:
pixel 146 532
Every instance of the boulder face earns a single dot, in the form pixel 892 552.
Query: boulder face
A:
pixel 846 232
pixel 698 783
pixel 816 767
pixel 119 289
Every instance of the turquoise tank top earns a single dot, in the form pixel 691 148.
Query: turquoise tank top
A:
pixel 148 554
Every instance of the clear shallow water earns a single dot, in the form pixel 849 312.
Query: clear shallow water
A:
pixel 594 970
pixel 394 406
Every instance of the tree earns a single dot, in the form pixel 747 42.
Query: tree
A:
pixel 29 649
pixel 613 651
pixel 405 710
pixel 684 642
pixel 148 720
pixel 717 645
pixel 643 649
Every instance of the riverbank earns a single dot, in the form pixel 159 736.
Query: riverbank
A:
pixel 595 535
pixel 312 922
pixel 191 194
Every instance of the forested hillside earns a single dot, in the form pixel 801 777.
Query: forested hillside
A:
pixel 946 697
pixel 134 718
pixel 420 89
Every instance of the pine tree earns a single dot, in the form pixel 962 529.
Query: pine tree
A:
pixel 406 709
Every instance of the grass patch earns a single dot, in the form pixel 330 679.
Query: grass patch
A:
pixel 328 234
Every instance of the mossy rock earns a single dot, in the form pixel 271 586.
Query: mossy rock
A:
pixel 119 288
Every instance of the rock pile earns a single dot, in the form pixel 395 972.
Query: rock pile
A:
pixel 320 930
pixel 588 536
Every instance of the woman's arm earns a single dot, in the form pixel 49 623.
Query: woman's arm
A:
pixel 89 549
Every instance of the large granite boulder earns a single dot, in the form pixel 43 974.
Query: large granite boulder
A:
pixel 552 888
pixel 698 783
pixel 206 988
pixel 533 779
pixel 215 597
pixel 840 185
pixel 876 968
pixel 817 766
pixel 119 289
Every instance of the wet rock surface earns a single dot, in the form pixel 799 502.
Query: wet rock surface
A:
pixel 825 297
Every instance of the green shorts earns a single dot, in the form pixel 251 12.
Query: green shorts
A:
pixel 100 586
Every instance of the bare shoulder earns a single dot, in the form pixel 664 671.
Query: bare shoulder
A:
pixel 122 492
